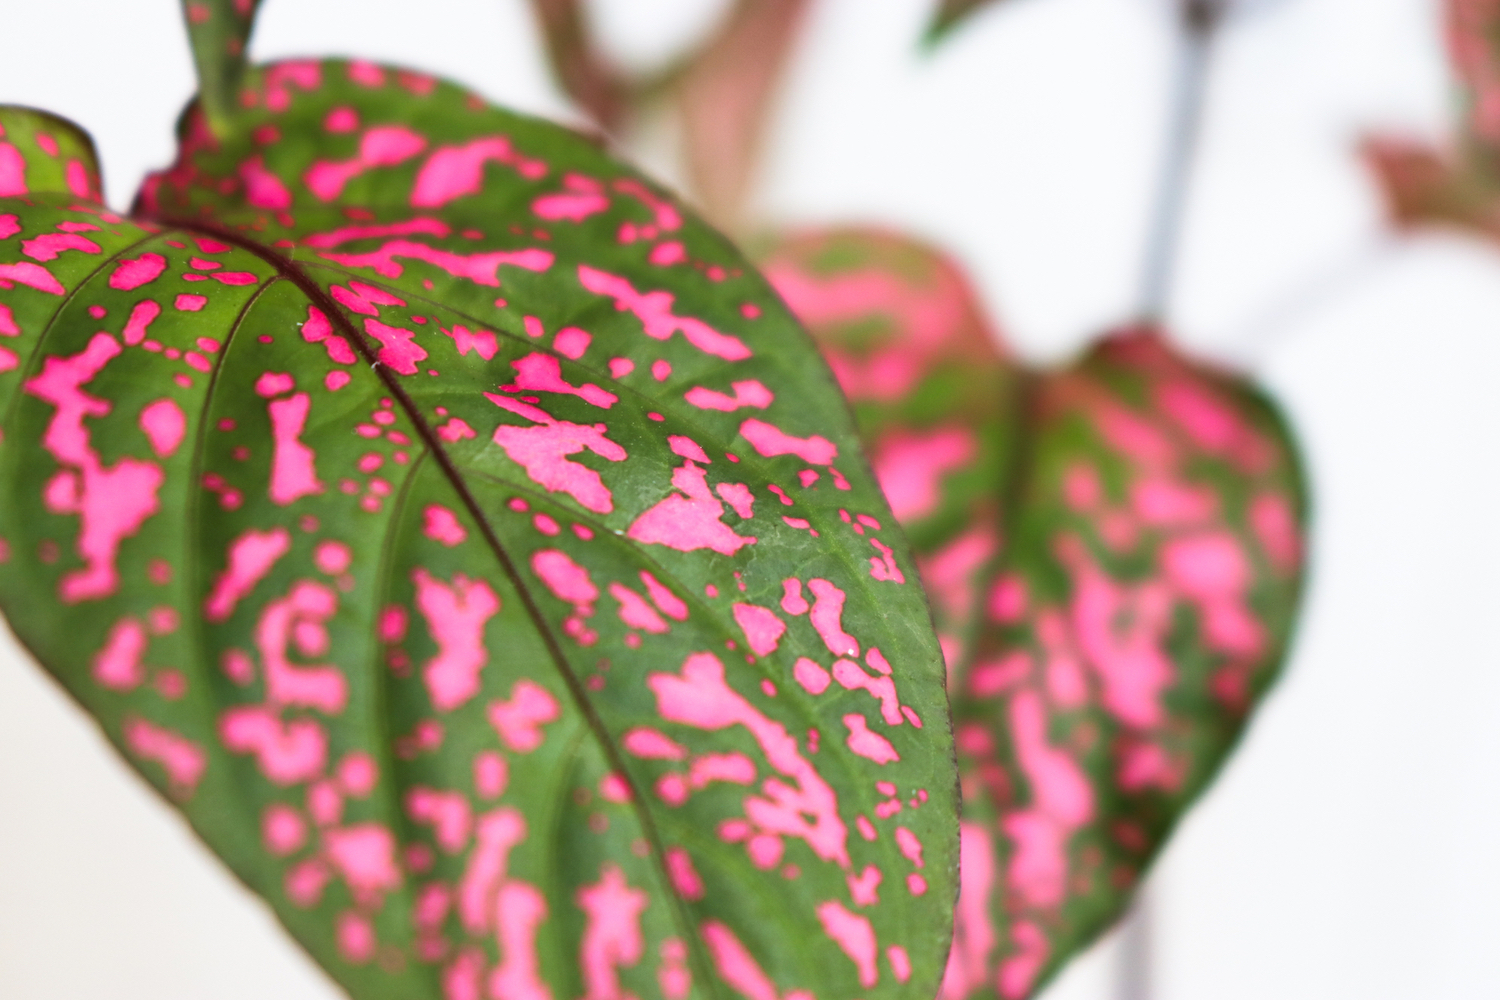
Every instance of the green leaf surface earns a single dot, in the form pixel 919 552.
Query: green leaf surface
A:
pixel 475 550
pixel 1110 630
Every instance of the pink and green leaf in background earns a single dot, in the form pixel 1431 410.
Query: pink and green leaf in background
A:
pixel 1115 575
pixel 219 33
pixel 469 543
pixel 1458 186
pixel 948 16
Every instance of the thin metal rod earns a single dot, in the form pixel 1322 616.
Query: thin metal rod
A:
pixel 1133 971
pixel 1199 20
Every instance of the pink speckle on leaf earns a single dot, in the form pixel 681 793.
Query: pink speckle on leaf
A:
pixel 456 615
pixel 689 520
pixel 293 475
pixel 117 666
pixel 131 273
pixel 519 721
pixel 441 525
pixel 541 451
pixel 654 310
pixel 771 441
pixel 183 760
pixel 164 425
pixel 539 372
pixel 458 171
pixel 855 937
pixel 763 630
pixel 251 557
pixel 747 393
pixel 868 744
pixel 700 697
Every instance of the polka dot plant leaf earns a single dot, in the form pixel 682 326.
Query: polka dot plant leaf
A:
pixel 473 548
pixel 1113 551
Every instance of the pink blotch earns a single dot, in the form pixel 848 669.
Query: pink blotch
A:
pixel 827 618
pixel 571 342
pixel 1275 528
pixel 520 908
pixel 365 855
pixel 190 303
pixel 332 557
pixel 612 932
pixel 31 275
pixel 325 804
pixel 771 441
pixel 864 888
pixel 567 580
pixel 747 393
pixel 457 171
pixel 661 369
pixel 669 603
pixel 700 697
pixel 251 557
pixel 911 847
pixel 455 430
pixel 398 348
pixel 883 689
pixel 739 498
pixel 691 522
pixel 441 525
pixel 900 963
pixel 117 666
pixel 811 676
pixel 539 372
pixel 763 630
pixel 183 760
pixel 49 245
pixel 519 721
pixel 491 774
pixel 1212 571
pixel 541 451
pixel 112 502
pixel 1019 970
pixel 910 467
pixel 854 936
pixel 282 830
pixel 651 744
pixel 456 617
pixel 867 744
pixel 737 967
pixel 570 206
pixel 482 342
pixel 684 876
pixel 292 473
pixel 341 119
pixel 164 425
pixel 300 617
pixel 140 321
pixel 381 146
pixel 480 268
pixel 448 814
pixel 686 447
pixel 635 612
pixel 133 272
pixel 421 225
pixel 792 601
pixel 9 226
pixel 358 774
pixel 667 254
pixel 614 788
pixel 620 367
pixel 654 310
pixel 1062 802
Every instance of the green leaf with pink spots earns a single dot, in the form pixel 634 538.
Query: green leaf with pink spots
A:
pixel 475 550
pixel 1114 575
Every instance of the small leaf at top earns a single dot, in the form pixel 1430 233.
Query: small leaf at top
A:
pixel 219 31
pixel 1149 516
pixel 463 536
pixel 949 14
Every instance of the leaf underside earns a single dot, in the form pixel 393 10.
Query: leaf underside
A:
pixel 1113 552
pixel 474 549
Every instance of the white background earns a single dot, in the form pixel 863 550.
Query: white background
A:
pixel 1352 849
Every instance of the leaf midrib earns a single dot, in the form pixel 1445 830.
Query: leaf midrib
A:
pixel 291 271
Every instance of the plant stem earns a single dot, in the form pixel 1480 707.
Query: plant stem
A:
pixel 1133 973
pixel 1199 21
